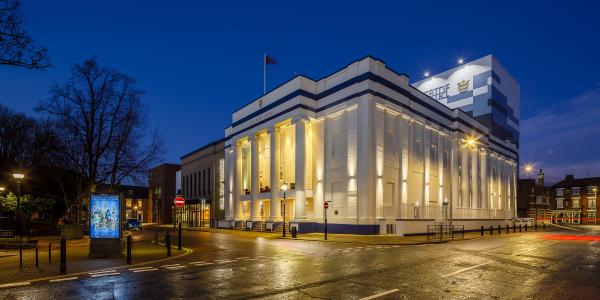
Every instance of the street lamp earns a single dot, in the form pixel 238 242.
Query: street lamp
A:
pixel 528 168
pixel 284 188
pixel 18 178
pixel 595 189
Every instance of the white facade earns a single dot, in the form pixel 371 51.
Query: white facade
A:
pixel 388 157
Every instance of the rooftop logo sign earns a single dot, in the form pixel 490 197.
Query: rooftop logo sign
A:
pixel 463 85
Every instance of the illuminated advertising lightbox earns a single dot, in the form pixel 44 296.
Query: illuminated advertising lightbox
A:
pixel 105 215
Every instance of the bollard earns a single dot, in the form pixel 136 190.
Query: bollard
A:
pixel 49 253
pixel 525 227
pixel 514 228
pixel 63 256
pixel 168 243
pixel 499 229
pixel 129 245
pixel 481 230
pixel 520 228
pixel 21 256
pixel 535 226
pixel 179 238
pixel 507 229
pixel 37 263
pixel 544 226
pixel 491 230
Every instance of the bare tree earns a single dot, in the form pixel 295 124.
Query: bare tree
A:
pixel 102 123
pixel 16 46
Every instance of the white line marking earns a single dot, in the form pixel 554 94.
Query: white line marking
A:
pixel 14 284
pixel 62 279
pixel 102 272
pixel 105 274
pixel 467 269
pixel 145 270
pixel 224 261
pixel 197 264
pixel 380 294
pixel 142 268
pixel 243 257
pixel 173 265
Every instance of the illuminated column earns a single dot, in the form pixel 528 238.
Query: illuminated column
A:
pixel 440 155
pixel 484 178
pixel 366 157
pixel 403 177
pixel 300 201
pixel 254 201
pixel 275 206
pixel 426 170
pixel 227 178
pixel 474 152
pixel 236 179
pixel 464 176
pixel 319 162
pixel 454 173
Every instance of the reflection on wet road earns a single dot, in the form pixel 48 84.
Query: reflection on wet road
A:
pixel 533 265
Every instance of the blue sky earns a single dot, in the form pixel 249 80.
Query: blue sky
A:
pixel 199 61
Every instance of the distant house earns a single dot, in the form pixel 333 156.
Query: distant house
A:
pixel 575 200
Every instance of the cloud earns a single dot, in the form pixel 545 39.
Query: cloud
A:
pixel 565 138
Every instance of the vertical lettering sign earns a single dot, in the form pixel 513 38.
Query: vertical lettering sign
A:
pixel 222 184
pixel 105 213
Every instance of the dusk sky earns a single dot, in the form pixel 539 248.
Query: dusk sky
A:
pixel 198 62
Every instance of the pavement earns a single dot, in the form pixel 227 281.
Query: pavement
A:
pixel 556 264
pixel 352 238
pixel 144 250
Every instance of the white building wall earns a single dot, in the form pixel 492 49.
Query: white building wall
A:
pixel 380 156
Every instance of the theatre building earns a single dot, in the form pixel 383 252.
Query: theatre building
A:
pixel 388 157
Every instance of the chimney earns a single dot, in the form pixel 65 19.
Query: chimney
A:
pixel 540 179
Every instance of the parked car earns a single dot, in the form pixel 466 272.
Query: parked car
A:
pixel 133 224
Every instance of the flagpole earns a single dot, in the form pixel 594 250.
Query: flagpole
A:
pixel 264 73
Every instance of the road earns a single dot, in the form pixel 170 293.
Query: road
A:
pixel 551 265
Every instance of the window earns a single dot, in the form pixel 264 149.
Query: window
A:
pixel 203 182
pixel 575 202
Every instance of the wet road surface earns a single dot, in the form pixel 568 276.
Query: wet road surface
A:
pixel 550 265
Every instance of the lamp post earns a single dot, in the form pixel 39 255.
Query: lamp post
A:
pixel 18 178
pixel 595 189
pixel 284 188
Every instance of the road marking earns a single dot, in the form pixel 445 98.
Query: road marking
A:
pixel 105 274
pixel 142 268
pixel 145 270
pixel 199 264
pixel 102 272
pixel 467 269
pixel 62 279
pixel 176 267
pixel 224 261
pixel 243 257
pixel 6 285
pixel 380 294
pixel 173 265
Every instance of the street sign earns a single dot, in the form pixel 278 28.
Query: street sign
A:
pixel 326 205
pixel 179 201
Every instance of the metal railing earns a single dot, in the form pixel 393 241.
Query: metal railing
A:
pixel 444 232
